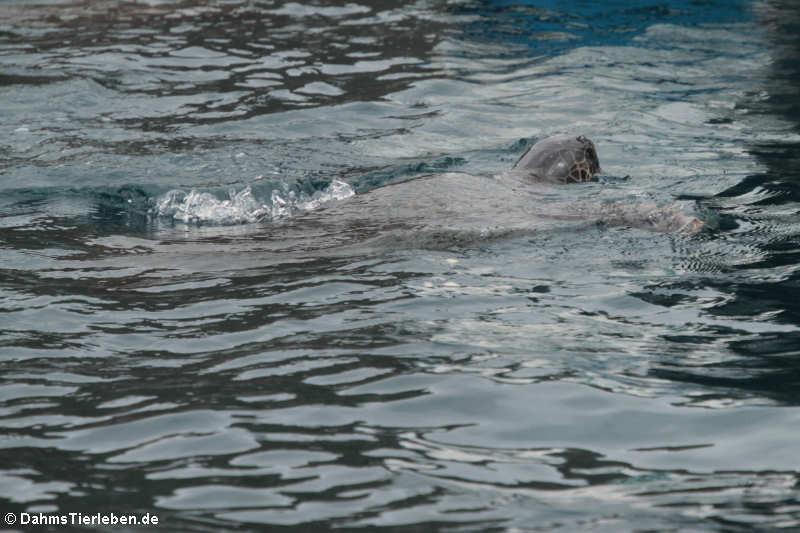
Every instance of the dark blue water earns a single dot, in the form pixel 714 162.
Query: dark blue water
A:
pixel 191 326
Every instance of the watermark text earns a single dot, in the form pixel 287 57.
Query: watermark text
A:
pixel 80 519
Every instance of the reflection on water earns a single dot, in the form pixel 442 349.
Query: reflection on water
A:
pixel 225 373
pixel 763 207
pixel 256 57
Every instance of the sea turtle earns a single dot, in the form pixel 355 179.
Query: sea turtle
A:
pixel 562 158
pixel 571 159
pixel 455 209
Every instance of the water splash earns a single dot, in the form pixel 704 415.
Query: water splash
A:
pixel 242 207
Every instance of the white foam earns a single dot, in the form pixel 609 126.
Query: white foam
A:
pixel 242 207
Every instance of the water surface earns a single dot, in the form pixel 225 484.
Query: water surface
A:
pixel 185 332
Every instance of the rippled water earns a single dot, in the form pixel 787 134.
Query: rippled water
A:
pixel 191 326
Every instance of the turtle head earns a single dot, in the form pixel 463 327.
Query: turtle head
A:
pixel 561 158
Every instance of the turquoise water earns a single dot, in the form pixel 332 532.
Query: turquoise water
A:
pixel 191 326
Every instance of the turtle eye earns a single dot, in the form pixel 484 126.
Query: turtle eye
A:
pixel 592 160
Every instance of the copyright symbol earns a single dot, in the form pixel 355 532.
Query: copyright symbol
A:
pixel 10 518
